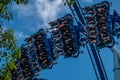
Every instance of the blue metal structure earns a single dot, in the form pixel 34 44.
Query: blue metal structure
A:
pixel 40 52
pixel 97 58
pixel 36 54
pixel 64 37
pixel 112 28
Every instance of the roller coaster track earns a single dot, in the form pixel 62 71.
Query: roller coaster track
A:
pixel 76 9
pixel 39 52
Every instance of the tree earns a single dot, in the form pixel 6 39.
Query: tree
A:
pixel 4 10
pixel 70 2
pixel 9 52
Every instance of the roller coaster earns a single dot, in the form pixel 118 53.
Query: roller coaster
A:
pixel 95 30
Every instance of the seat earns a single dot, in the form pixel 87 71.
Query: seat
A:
pixel 90 12
pixel 91 22
pixel 88 8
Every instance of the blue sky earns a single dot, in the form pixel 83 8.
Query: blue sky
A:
pixel 30 18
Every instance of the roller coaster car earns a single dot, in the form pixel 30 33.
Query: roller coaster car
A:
pixel 14 76
pixel 40 38
pixel 44 57
pixel 34 57
pixel 68 40
pixel 45 63
pixel 31 48
pixel 24 66
pixel 102 10
pixel 62 25
pixel 89 17
pixel 53 23
pixel 24 58
pixel 69 34
pixel 102 22
pixel 72 53
pixel 104 33
pixel 92 32
pixel 68 16
pixel 28 74
pixel 18 77
pixel 39 43
pixel 93 41
pixel 58 43
pixel 29 40
pixel 36 68
pixel 65 27
pixel 17 74
pixel 98 15
pixel 69 48
pixel 27 78
pixel 56 31
pixel 103 4
pixel 58 49
pixel 66 19
pixel 41 31
pixel 88 8
pixel 103 18
pixel 91 22
pixel 89 12
pixel 103 7
pixel 103 29
pixel 23 49
pixel 106 41
pixel 91 27
pixel 37 35
pixel 92 37
pixel 57 35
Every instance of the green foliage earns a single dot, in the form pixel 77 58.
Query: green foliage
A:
pixel 70 2
pixel 8 48
pixel 21 1
pixel 4 12
pixel 9 51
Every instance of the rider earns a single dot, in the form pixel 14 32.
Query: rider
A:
pixel 88 8
pixel 91 22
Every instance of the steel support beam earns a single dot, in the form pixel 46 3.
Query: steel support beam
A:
pixel 98 62
pixel 116 60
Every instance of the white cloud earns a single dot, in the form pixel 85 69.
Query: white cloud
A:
pixel 38 13
pixel 24 10
pixel 88 1
pixel 48 10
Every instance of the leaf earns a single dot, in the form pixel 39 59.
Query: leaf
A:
pixel 4 54
pixel 71 2
pixel 7 40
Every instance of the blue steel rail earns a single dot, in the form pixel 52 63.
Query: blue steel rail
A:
pixel 100 67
